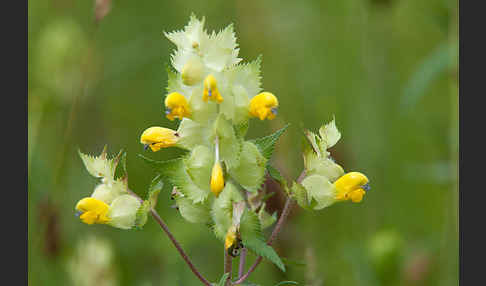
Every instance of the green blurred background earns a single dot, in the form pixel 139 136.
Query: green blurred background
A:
pixel 387 69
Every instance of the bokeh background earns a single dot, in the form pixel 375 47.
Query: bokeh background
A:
pixel 387 70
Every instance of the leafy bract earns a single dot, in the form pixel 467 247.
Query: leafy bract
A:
pixel 250 171
pixel 252 238
pixel 266 144
pixel 175 172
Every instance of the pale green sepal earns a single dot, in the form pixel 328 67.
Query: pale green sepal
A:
pixel 230 147
pixel 202 112
pixel 246 76
pixel 321 190
pixel 193 33
pixel 241 106
pixel 142 214
pixel 193 212
pixel 252 238
pixel 221 51
pixel 199 165
pixel 222 209
pixel 299 193
pixel 123 211
pixel 99 166
pixel 322 166
pixel 107 192
pixel 330 135
pixel 192 134
pixel 250 171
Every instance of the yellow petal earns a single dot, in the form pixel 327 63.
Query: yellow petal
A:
pixel 159 137
pixel 217 179
pixel 93 211
pixel 264 106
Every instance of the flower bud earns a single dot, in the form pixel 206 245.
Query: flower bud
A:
pixel 264 105
pixel 176 106
pixel 351 186
pixel 217 179
pixel 210 90
pixel 158 137
pixel 192 72
pixel 92 211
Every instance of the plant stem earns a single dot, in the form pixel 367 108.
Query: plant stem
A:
pixel 285 212
pixel 159 220
pixel 228 267
pixel 241 267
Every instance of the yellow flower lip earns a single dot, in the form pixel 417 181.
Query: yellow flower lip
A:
pixel 352 186
pixel 211 91
pixel 158 137
pixel 177 106
pixel 91 210
pixel 264 105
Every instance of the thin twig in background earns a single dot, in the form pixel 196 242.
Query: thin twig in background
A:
pixel 162 224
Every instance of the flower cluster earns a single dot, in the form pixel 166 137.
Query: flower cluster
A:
pixel 218 181
pixel 326 182
pixel 110 203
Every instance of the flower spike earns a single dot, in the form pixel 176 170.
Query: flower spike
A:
pixel 158 137
pixel 176 106
pixel 352 186
pixel 91 210
pixel 211 90
pixel 264 105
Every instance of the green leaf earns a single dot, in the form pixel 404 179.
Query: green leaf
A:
pixel 154 189
pixel 265 218
pixel 223 279
pixel 266 144
pixel 241 129
pixel 175 172
pixel 248 283
pixel 250 171
pixel 275 174
pixel 142 214
pixel 252 238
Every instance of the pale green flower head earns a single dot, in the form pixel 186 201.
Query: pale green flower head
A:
pixel 110 203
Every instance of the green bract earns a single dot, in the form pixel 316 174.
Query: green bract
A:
pixel 125 211
pixel 316 190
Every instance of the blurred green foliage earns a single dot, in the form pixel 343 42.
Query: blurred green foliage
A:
pixel 386 69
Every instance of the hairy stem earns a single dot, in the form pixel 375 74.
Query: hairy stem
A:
pixel 285 212
pixel 162 224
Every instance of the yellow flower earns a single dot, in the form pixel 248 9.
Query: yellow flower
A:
pixel 211 90
pixel 230 238
pixel 177 106
pixel 264 105
pixel 92 211
pixel 352 186
pixel 158 137
pixel 217 179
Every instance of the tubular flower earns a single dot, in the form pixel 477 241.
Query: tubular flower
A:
pixel 217 179
pixel 158 137
pixel 351 186
pixel 92 211
pixel 264 105
pixel 176 106
pixel 211 90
